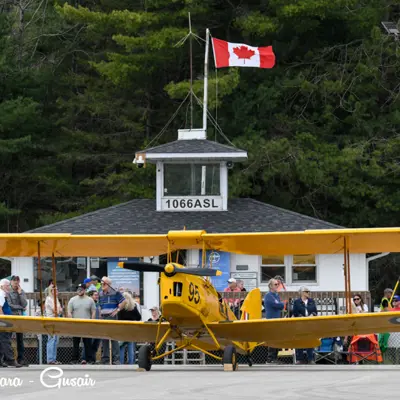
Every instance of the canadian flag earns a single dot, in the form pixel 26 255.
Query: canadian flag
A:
pixel 228 54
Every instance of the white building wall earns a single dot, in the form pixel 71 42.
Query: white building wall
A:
pixel 192 258
pixel 23 267
pixel 330 273
pixel 151 290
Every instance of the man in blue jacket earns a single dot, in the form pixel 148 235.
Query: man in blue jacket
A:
pixel 6 352
pixel 304 307
pixel 273 307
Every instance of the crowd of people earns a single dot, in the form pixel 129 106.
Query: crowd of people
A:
pixel 305 306
pixel 94 299
pixel 97 299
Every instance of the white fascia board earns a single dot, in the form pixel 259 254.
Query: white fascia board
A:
pixel 240 156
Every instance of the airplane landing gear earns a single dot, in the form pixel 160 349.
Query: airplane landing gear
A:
pixel 144 357
pixel 249 360
pixel 229 360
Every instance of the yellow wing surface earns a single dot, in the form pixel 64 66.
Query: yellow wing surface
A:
pixel 306 332
pixel 65 244
pixel 329 241
pixel 321 241
pixel 102 329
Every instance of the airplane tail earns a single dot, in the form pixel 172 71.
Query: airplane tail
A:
pixel 251 308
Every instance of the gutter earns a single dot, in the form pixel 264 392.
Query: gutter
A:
pixel 376 257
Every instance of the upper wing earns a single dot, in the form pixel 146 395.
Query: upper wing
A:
pixel 306 332
pixel 329 241
pixel 103 329
pixel 321 241
pixel 65 245
pixel 68 245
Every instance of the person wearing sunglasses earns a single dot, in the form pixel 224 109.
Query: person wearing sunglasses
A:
pixel 304 306
pixel 359 305
pixel 273 309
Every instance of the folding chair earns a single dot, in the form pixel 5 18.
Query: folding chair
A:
pixel 328 350
pixel 364 348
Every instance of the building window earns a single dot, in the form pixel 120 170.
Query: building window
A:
pixel 304 268
pixel 272 266
pixel 70 272
pixel 188 179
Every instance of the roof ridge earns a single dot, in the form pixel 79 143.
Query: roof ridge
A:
pixel 294 213
pixel 83 215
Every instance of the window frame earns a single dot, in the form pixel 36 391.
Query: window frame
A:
pixel 306 282
pixel 192 164
pixel 288 265
pixel 284 265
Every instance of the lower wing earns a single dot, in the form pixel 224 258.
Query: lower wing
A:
pixel 91 328
pixel 306 332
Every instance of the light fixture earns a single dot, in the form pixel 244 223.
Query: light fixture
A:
pixel 391 29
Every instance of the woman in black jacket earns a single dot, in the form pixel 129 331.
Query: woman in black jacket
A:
pixel 129 313
pixel 304 307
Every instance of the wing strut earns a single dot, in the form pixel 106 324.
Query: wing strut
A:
pixel 40 280
pixel 347 284
pixel 53 267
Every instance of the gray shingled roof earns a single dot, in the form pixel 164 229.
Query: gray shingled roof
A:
pixel 192 146
pixel 139 216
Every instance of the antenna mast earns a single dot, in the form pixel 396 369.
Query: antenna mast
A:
pixel 191 75
pixel 206 83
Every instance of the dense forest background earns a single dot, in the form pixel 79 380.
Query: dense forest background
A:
pixel 85 84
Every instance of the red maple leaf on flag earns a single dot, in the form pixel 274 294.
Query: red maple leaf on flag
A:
pixel 244 52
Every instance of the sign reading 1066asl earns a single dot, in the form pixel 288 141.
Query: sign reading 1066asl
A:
pixel 192 203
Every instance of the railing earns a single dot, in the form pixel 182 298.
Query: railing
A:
pixel 328 302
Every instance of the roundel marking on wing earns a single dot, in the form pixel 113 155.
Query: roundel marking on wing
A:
pixel 5 324
pixel 395 320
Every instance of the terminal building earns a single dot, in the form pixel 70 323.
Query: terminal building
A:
pixel 192 193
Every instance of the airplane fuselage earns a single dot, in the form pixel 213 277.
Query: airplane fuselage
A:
pixel 188 301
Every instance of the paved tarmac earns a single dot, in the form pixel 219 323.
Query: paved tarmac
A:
pixel 201 382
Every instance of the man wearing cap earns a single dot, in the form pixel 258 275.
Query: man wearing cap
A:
pixel 389 343
pixel 96 282
pixel 155 314
pixel 233 302
pixel 111 302
pixel 88 282
pixel 82 306
pixel 385 302
pixel 6 352
pixel 16 298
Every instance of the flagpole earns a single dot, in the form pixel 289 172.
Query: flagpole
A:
pixel 206 83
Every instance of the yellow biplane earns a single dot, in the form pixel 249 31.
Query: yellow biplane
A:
pixel 193 313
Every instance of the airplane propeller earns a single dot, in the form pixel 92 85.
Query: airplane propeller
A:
pixel 169 269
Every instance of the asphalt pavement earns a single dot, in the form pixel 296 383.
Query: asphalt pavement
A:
pixel 200 382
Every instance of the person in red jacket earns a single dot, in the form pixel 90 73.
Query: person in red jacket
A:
pixel 396 303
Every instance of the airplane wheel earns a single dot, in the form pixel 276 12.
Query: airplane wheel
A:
pixel 144 357
pixel 250 361
pixel 230 357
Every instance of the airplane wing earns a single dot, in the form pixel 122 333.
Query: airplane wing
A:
pixel 91 328
pixel 318 241
pixel 70 245
pixel 66 245
pixel 305 332
pixel 328 241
